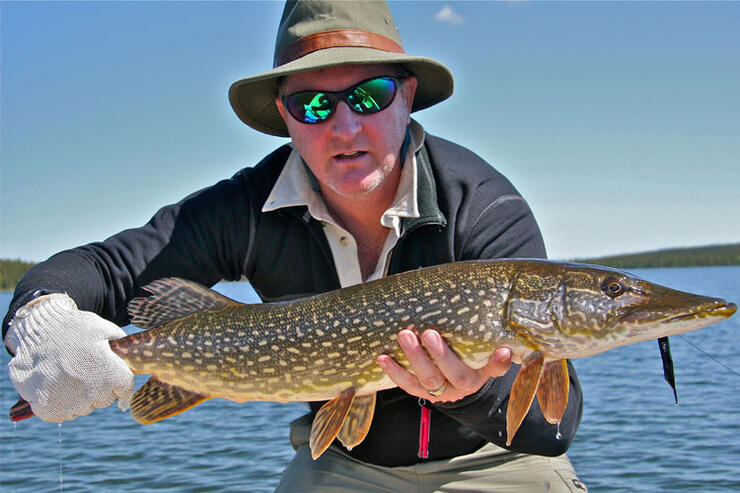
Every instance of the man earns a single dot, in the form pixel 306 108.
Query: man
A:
pixel 361 193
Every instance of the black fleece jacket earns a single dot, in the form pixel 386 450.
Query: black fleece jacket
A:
pixel 468 211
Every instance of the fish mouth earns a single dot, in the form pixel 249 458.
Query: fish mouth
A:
pixel 722 309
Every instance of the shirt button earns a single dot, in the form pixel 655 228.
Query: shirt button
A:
pixel 344 241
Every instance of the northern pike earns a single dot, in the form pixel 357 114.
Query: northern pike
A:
pixel 201 344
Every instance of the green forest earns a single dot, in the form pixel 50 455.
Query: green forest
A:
pixel 12 270
pixel 674 257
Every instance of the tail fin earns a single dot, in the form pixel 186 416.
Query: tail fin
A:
pixel 21 410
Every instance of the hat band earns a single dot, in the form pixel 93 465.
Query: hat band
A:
pixel 335 39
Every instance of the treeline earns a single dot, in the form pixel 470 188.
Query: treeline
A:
pixel 11 272
pixel 674 257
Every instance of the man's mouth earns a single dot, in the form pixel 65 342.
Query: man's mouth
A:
pixel 349 155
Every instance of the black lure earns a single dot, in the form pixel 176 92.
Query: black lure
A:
pixel 665 354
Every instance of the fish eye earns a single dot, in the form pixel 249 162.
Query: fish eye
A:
pixel 612 287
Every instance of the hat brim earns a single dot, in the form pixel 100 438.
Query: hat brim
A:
pixel 253 98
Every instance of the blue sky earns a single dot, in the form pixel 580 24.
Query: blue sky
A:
pixel 618 121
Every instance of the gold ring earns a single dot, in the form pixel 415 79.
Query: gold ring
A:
pixel 439 391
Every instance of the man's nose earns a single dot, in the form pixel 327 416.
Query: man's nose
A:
pixel 345 122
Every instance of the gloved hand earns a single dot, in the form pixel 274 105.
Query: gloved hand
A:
pixel 63 365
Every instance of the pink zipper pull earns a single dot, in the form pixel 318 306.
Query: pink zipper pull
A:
pixel 424 425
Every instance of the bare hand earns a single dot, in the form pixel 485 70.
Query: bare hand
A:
pixel 442 371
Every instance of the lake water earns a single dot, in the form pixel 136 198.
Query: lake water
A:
pixel 632 437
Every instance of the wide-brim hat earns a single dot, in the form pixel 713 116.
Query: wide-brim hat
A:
pixel 316 34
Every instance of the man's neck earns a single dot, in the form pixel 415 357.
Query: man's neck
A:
pixel 360 215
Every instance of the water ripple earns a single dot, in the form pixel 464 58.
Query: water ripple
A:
pixel 632 437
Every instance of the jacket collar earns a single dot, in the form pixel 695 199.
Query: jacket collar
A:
pixel 429 212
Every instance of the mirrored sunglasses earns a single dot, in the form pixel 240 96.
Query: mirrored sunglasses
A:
pixel 367 97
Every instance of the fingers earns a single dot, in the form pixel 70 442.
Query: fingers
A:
pixel 433 365
pixel 103 329
pixel 428 374
pixel 499 363
pixel 460 375
pixel 424 375
pixel 124 388
pixel 402 377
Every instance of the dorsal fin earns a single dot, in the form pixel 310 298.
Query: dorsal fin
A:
pixel 173 298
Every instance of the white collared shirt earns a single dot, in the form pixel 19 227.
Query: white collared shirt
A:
pixel 293 188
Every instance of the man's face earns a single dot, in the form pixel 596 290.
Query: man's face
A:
pixel 350 154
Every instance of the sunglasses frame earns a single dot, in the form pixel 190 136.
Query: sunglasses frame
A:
pixel 344 96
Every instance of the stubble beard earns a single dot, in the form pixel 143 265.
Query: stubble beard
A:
pixel 368 185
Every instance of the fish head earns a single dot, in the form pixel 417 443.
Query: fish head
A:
pixel 651 311
pixel 577 310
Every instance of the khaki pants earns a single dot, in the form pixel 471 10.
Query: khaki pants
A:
pixel 489 469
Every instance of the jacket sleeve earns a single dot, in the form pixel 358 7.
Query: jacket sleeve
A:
pixel 203 238
pixel 506 228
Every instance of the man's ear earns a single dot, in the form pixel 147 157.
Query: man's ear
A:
pixel 409 90
pixel 280 107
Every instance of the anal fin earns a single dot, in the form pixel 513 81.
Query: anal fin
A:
pixel 522 392
pixel 156 400
pixel 552 392
pixel 357 422
pixel 328 422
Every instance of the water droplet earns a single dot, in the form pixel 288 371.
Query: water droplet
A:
pixel 558 435
pixel 500 433
pixel 61 479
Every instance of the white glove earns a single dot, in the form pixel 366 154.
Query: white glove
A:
pixel 63 365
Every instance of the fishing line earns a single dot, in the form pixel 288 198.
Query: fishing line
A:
pixel 711 357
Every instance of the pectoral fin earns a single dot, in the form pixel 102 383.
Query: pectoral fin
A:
pixel 358 421
pixel 552 393
pixel 328 422
pixel 522 392
pixel 156 400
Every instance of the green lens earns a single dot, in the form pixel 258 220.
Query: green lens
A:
pixel 310 106
pixel 318 108
pixel 372 96
pixel 367 97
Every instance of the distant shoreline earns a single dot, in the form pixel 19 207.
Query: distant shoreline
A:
pixel 11 271
pixel 705 256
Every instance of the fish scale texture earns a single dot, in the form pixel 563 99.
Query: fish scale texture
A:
pixel 315 349
pixel 311 349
